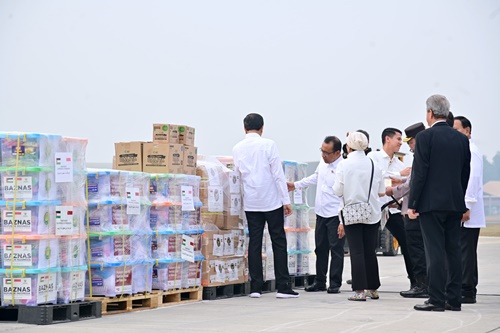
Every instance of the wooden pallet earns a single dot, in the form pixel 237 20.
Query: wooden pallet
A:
pixel 179 296
pixel 146 301
pixel 126 303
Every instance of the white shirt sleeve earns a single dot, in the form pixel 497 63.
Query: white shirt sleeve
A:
pixel 474 185
pixel 308 181
pixel 338 187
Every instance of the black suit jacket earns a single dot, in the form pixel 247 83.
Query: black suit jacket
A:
pixel 441 168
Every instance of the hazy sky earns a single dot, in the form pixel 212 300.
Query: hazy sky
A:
pixel 108 70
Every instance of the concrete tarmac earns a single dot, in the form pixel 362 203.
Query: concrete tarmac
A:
pixel 314 312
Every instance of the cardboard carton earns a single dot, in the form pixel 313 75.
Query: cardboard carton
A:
pixel 129 155
pixel 186 135
pixel 163 157
pixel 166 133
pixel 155 157
pixel 217 272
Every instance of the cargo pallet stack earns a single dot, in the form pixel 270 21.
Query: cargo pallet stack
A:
pixel 297 225
pixel 42 238
pixel 175 219
pixel 119 233
pixel 225 270
pixel 145 239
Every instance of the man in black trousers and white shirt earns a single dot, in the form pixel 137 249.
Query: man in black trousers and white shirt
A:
pixel 265 199
pixel 329 233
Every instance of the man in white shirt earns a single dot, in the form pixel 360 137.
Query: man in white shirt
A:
pixel 473 219
pixel 265 199
pixel 391 166
pixel 329 232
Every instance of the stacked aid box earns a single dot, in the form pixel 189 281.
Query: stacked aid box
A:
pixel 42 231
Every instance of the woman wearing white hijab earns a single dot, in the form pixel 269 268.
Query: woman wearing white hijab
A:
pixel 353 184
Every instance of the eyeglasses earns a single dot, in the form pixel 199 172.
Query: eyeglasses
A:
pixel 327 153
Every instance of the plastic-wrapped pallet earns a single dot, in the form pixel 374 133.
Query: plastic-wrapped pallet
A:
pixel 120 235
pixel 43 206
pixel 297 225
pixel 175 218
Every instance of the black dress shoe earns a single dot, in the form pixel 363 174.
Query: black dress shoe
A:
pixel 452 308
pixel 332 290
pixel 415 292
pixel 468 300
pixel 316 287
pixel 428 307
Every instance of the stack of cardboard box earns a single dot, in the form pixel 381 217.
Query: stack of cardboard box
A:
pixel 171 151
pixel 224 241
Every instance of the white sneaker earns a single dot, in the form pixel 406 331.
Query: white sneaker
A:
pixel 287 294
pixel 255 295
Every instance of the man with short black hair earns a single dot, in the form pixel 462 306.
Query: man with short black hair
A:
pixel 265 199
pixel 329 232
pixel 473 219
pixel 413 232
pixel 391 166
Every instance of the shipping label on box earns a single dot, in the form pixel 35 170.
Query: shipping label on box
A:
pixel 239 242
pixel 235 205
pixel 218 245
pixel 220 271
pixel 215 199
pixel 186 135
pixel 129 156
pixel 166 133
pixel 232 267
pixel 228 244
pixel 234 182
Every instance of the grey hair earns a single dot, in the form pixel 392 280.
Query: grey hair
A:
pixel 439 105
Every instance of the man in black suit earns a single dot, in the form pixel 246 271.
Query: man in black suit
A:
pixel 439 178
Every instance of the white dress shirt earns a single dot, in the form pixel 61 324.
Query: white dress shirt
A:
pixel 262 177
pixel 327 203
pixel 390 166
pixel 474 193
pixel 352 181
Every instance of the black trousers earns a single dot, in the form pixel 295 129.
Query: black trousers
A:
pixel 275 223
pixel 441 233
pixel 416 249
pixel 469 239
pixel 362 239
pixel 327 241
pixel 396 226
